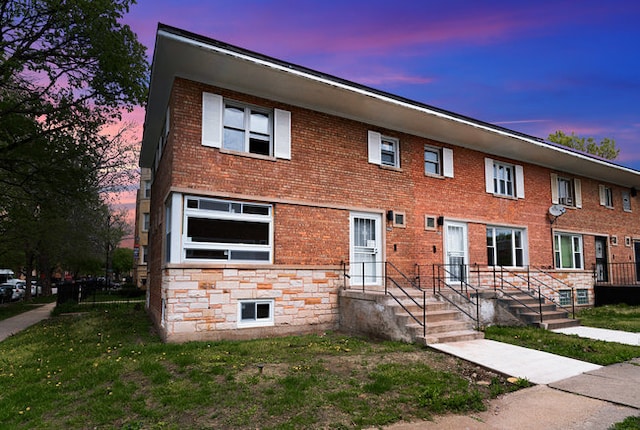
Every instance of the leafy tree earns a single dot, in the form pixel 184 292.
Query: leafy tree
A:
pixel 122 261
pixel 606 148
pixel 68 68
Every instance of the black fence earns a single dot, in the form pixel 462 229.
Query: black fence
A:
pixel 92 292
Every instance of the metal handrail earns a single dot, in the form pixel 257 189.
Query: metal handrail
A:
pixel 439 281
pixel 622 274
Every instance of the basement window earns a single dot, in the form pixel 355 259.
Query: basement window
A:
pixel 582 296
pixel 565 297
pixel 252 313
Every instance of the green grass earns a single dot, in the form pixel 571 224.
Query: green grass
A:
pixel 106 369
pixel 620 317
pixel 630 423
pixel 8 310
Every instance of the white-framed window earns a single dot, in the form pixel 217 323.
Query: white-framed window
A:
pixel 565 297
pixel 504 179
pixel 252 313
pixel 430 222
pixel 222 230
pixel 241 127
pixel 145 254
pixel 606 196
pixel 505 246
pixel 438 161
pixel 247 128
pixel 568 251
pixel 627 241
pixel 167 231
pixel 145 221
pixel 566 191
pixel 147 189
pixel 383 150
pixel 582 296
pixel 389 152
pixel 399 219
pixel 626 201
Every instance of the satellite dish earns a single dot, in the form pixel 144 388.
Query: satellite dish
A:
pixel 557 210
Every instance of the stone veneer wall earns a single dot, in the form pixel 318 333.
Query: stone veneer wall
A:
pixel 202 304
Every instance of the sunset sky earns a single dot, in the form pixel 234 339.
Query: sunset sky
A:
pixel 534 67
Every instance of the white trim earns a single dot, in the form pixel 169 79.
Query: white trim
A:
pixel 374 141
pixel 263 322
pixel 212 108
pixel 488 175
pixel 577 190
pixel 555 199
pixel 447 163
pixel 282 134
pixel 376 250
pixel 519 182
pixel 176 228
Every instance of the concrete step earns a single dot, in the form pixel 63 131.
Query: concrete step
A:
pixel 448 337
pixel 518 308
pixel 560 323
pixel 439 327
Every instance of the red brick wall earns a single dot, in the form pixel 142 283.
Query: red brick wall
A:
pixel 329 168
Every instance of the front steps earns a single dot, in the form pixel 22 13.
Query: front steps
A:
pixel 527 309
pixel 444 323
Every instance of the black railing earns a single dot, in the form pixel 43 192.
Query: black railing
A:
pixel 617 274
pixel 453 279
pixel 397 285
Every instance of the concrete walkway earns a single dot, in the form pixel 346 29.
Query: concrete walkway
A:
pixel 15 324
pixel 602 334
pixel 537 367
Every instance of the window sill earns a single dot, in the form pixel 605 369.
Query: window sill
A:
pixel 393 169
pixel 433 175
pixel 504 196
pixel 248 154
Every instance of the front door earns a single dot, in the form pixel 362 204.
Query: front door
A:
pixel 456 250
pixel 366 246
pixel 602 272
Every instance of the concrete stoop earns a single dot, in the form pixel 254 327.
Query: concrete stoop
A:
pixel 445 323
pixel 527 309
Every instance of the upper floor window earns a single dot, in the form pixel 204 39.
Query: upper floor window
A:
pixel 389 153
pixel 626 201
pixel 606 196
pixel 383 150
pixel 245 128
pixel 145 221
pixel 438 161
pixel 147 189
pixel 503 179
pixel 566 191
pixel 505 247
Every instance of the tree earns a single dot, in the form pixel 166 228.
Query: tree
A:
pixel 122 261
pixel 68 68
pixel 606 148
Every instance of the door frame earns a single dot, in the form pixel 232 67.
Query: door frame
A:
pixel 602 260
pixel 356 279
pixel 465 246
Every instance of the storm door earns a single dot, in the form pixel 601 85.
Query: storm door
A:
pixel 366 245
pixel 602 267
pixel 456 251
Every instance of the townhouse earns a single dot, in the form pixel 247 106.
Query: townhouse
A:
pixel 276 187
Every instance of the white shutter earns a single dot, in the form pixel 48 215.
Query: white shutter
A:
pixel 519 182
pixel 488 175
pixel 447 162
pixel 603 195
pixel 554 189
pixel 167 123
pixel 212 120
pixel 577 185
pixel 375 141
pixel 282 131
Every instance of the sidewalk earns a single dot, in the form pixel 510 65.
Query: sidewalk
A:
pixel 20 322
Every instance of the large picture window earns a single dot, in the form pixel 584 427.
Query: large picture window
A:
pixel 505 247
pixel 220 230
pixel 568 251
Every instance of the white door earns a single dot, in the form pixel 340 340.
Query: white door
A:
pixel 366 246
pixel 456 250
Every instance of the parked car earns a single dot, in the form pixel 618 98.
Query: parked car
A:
pixel 6 293
pixel 19 291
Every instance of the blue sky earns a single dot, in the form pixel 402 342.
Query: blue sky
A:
pixel 534 67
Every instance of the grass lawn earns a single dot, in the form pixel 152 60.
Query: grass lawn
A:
pixel 8 310
pixel 106 369
pixel 620 317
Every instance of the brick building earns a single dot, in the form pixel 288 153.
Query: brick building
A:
pixel 276 187
pixel 141 238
